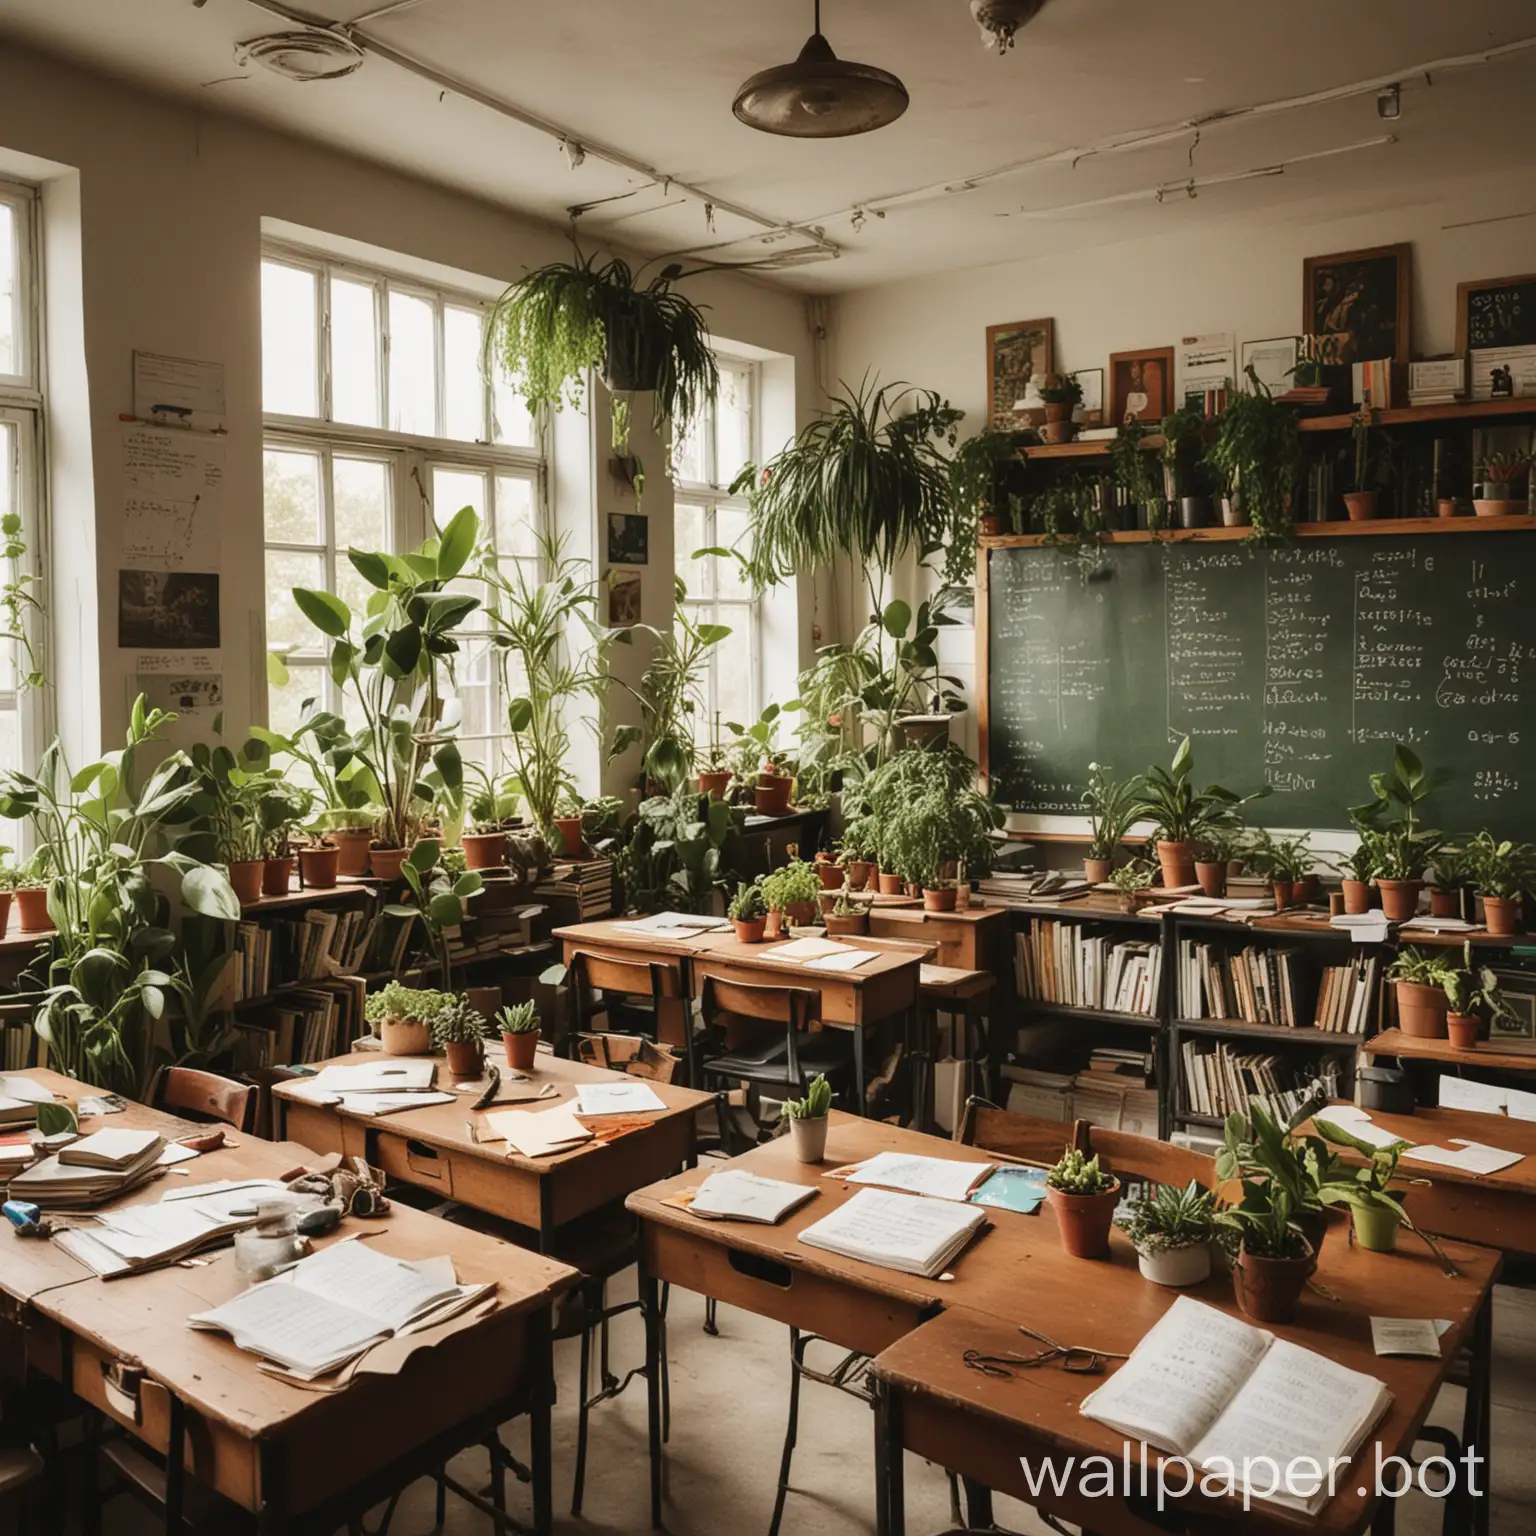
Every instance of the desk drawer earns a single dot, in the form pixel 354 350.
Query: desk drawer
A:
pixel 319 1128
pixel 416 1162
pixel 489 1184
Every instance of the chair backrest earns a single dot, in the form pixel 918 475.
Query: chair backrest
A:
pixel 1026 1137
pixel 619 973
pixel 1141 1157
pixel 792 1007
pixel 206 1096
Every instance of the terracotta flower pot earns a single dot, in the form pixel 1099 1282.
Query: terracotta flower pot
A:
pixel 941 900
pixel 569 828
pixel 1176 1266
pixel 798 913
pixel 912 888
pixel 32 909
pixel 5 911
pixel 1058 410
pixel 1177 861
pixel 846 922
pixel 1463 1030
pixel 890 885
pixel 809 1138
pixel 1444 903
pixel 276 876
pixel 1375 1227
pixel 1269 1290
pixel 859 873
pixel 485 850
pixel 1283 896
pixel 521 1049
pixel 1307 890
pixel 1501 914
pixel 715 783
pixel 1058 431
pixel 1421 1010
pixel 1212 877
pixel 465 1057
pixel 385 862
pixel 405 1037
pixel 773 923
pixel 831 875
pixel 1357 896
pixel 245 876
pixel 1097 871
pixel 1445 507
pixel 994 524
pixel 749 930
pixel 1361 505
pixel 318 866
pixel 1399 898
pixel 771 796
pixel 1497 508
pixel 1084 1221
pixel 352 843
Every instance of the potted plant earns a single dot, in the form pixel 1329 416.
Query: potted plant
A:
pixel 790 891
pixel 1358 872
pixel 1111 806
pixel 1366 1192
pixel 1084 1198
pixel 519 1026
pixel 1061 393
pixel 459 1031
pixel 977 491
pixel 282 809
pixel 1183 815
pixel 1497 474
pixel 10 878
pixel 1133 881
pixel 1503 871
pixel 1360 503
pixel 1134 476
pixel 1215 851
pixel 1448 876
pixel 748 913
pixel 859 846
pixel 403 1017
pixel 847 916
pixel 31 893
pixel 319 862
pixel 1257 456
pixel 1172 1230
pixel 1182 433
pixel 715 776
pixel 567 823
pixel 1421 999
pixel 808 1120
pixel 490 807
pixel 1472 992
pixel 830 872
pixel 1284 862
pixel 1403 847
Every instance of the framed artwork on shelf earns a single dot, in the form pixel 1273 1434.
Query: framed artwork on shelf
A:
pixel 1362 297
pixel 1496 333
pixel 1089 411
pixel 1140 385
pixel 1272 360
pixel 1019 356
pixel 1517 1032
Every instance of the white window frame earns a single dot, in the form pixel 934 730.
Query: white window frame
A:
pixel 709 495
pixel 413 517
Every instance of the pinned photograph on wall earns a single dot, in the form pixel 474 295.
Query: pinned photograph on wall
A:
pixel 1362 298
pixel 167 610
pixel 623 598
pixel 1019 356
pixel 1089 411
pixel 1141 385
pixel 629 538
pixel 1273 361
pixel 185 693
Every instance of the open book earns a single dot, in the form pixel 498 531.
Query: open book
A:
pixel 337 1303
pixel 909 1233
pixel 1209 1387
pixel 735 1194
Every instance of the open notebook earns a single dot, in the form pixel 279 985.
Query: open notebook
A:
pixel 1207 1386
pixel 909 1233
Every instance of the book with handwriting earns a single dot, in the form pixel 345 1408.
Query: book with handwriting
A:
pixel 909 1233
pixel 1224 1394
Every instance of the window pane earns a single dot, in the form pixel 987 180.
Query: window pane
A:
pixel 8 264
pixel 463 383
pixel 285 704
pixel 290 355
pixel 733 423
pixel 354 353
pixel 516 535
pixel 732 662
pixel 688 523
pixel 689 464
pixel 455 488
pixel 412 366
pixel 8 657
pixel 287 628
pixel 360 490
pixel 514 422
pixel 291 495
pixel 732 531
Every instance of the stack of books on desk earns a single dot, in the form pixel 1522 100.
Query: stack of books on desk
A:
pixel 908 1233
pixel 1060 962
pixel 589 884
pixel 19 1098
pixel 91 1171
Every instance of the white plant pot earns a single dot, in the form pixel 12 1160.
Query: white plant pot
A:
pixel 1176 1266
pixel 809 1138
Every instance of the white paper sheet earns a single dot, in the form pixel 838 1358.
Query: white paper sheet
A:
pixel 630 1098
pixel 942 1177
pixel 25 1089
pixel 1466 1156
pixel 539 1133
pixel 851 960
pixel 1360 1126
pixel 1405 1336
pixel 810 949
pixel 389 1075
pixel 1463 1093
pixel 733 1192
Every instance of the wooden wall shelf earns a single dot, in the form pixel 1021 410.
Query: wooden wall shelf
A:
pixel 1337 530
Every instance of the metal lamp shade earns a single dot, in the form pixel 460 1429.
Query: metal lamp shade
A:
pixel 820 96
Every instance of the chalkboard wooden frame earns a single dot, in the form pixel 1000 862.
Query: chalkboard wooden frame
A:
pixel 1464 292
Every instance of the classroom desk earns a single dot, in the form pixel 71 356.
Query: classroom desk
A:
pixel 432 1148
pixel 1497 1210
pixel 1015 1271
pixel 973 940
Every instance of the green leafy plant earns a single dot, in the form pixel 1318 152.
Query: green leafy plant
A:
pixel 518 1018
pixel 491 802
pixel 844 905
pixel 437 899
pixel 1364 861
pixel 321 745
pixel 1280 1175
pixel 602 820
pixel 890 792
pixel 675 858
pixel 978 487
pixel 1475 989
pixel 1280 859
pixel 1111 805
pixel 1257 455
pixel 1133 878
pixel 747 905
pixel 456 1023
pixel 1060 389
pixel 1170 1218
pixel 1502 869
pixel 816 1104
pixel 1181 813
pixel 1134 474
pixel 1420 966
pixel 21 610
pixel 791 884
pixel 1182 431
pixel 1075 1174
pixel 1452 868
pixel 416 1005
pixel 1403 845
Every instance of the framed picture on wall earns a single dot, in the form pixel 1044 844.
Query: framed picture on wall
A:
pixel 1019 356
pixel 1089 411
pixel 1272 361
pixel 1517 1031
pixel 1140 385
pixel 1496 333
pixel 1362 297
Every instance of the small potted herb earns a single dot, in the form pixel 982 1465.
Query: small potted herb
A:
pixel 1497 474
pixel 1084 1198
pixel 830 872
pixel 283 807
pixel 490 808
pixel 715 775
pixel 1172 1230
pixel 404 1017
pixel 1503 871
pixel 1421 1000
pixel 791 891
pixel 1366 1191
pixel 1358 871
pixel 1360 503
pixel 31 892
pixel 1403 847
pixel 568 825
pixel 519 1026
pixel 1134 883
pixel 859 847
pixel 1060 393
pixel 1214 851
pixel 846 916
pixel 1182 430
pixel 808 1120
pixel 1470 993
pixel 748 913
pixel 1111 805
pixel 1449 875
pixel 460 1032
pixel 1183 814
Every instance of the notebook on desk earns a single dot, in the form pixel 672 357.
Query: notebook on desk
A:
pixel 908 1233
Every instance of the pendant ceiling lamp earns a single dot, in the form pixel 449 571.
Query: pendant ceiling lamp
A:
pixel 820 96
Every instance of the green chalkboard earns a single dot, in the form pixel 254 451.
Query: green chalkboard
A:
pixel 1295 665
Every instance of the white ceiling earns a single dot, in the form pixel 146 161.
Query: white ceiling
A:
pixel 654 80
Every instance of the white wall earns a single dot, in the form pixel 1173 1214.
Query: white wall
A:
pixel 1242 276
pixel 170 206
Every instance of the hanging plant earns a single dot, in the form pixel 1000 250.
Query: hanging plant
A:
pixel 1257 454
pixel 551 326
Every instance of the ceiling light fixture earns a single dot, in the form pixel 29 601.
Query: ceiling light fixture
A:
pixel 1389 103
pixel 820 96
pixel 999 20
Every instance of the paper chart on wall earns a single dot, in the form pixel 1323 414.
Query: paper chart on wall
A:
pixel 174 501
pixel 178 390
pixel 184 693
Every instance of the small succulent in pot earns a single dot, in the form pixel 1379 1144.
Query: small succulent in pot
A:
pixel 519 1026
pixel 748 912
pixel 807 1119
pixel 1172 1229
pixel 1083 1196
pixel 460 1032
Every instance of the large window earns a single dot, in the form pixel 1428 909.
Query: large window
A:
pixel 707 516
pixel 24 716
pixel 380 425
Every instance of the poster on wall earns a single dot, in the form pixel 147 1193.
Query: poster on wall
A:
pixel 178 391
pixel 188 694
pixel 168 610
pixel 623 598
pixel 1204 365
pixel 629 536
pixel 174 503
pixel 1360 297
pixel 1019 356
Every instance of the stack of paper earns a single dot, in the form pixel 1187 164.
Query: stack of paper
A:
pixel 1486 1098
pixel 741 1196
pixel 1466 1156
pixel 803 950
pixel 539 1133
pixel 112 1150
pixel 331 1307
pixel 19 1098
pixel 942 1177
pixel 631 1097
pixel 674 925
pixel 392 1074
pixel 57 1184
pixel 902 1232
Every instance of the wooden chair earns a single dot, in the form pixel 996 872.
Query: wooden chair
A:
pixel 1026 1138
pixel 1141 1157
pixel 653 987
pixel 20 1466
pixel 204 1096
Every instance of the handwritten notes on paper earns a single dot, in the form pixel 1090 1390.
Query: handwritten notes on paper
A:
pixel 178 390
pixel 175 499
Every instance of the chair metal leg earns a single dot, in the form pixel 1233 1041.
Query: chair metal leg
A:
pixel 441 1511
pixel 791 1430
pixel 583 1402
pixel 711 1325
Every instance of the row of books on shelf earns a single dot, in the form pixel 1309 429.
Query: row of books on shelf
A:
pixel 309 1024
pixel 1059 962
pixel 18 1041
pixel 1220 1079
pixel 1116 1091
pixel 1270 985
pixel 322 942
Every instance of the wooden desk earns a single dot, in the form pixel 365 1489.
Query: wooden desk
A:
pixel 431 1148
pixel 1015 1271
pixel 1497 1210
pixel 972 940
